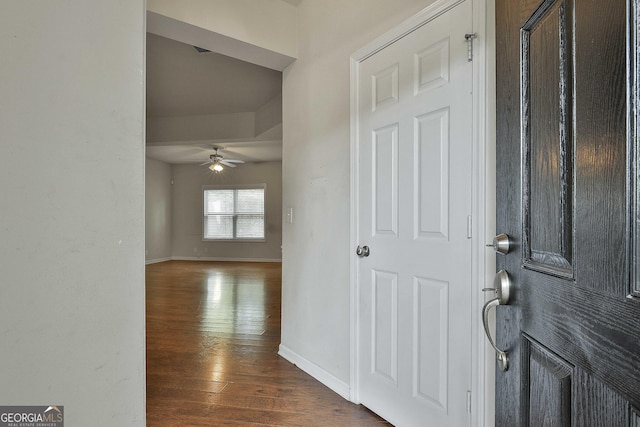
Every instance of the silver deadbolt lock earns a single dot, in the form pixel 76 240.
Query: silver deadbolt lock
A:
pixel 501 244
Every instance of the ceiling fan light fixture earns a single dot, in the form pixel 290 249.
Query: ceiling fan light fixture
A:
pixel 217 162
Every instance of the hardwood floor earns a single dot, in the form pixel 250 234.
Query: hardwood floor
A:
pixel 213 331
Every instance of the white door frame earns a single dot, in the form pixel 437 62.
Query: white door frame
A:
pixel 483 199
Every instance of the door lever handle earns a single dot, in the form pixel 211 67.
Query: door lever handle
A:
pixel 501 287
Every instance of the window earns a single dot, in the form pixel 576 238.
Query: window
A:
pixel 234 213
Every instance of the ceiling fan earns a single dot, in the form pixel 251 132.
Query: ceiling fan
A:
pixel 217 162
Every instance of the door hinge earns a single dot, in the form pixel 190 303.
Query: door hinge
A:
pixel 469 401
pixel 469 226
pixel 469 38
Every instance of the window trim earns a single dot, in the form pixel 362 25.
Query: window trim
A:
pixel 262 186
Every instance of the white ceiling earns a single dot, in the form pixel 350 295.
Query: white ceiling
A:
pixel 183 82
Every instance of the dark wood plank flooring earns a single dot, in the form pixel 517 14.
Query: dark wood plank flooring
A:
pixel 213 331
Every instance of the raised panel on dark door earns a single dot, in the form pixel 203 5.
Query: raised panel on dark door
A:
pixel 567 147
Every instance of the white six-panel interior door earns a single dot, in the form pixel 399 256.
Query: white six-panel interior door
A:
pixel 414 206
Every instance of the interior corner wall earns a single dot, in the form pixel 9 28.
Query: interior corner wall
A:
pixel 316 175
pixel 72 208
pixel 187 214
pixel 157 211
pixel 269 115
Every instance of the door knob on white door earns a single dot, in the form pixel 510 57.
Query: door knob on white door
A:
pixel 501 287
pixel 362 251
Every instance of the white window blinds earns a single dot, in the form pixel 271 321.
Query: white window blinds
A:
pixel 234 213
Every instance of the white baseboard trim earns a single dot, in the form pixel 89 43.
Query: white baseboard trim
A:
pixel 186 258
pixel 315 371
pixel 157 260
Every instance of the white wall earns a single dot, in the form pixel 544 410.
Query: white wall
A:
pixel 201 128
pixel 72 208
pixel 157 211
pixel 316 174
pixel 187 212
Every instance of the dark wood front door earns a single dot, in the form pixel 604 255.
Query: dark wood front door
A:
pixel 567 197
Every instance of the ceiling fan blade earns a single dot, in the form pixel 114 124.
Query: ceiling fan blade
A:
pixel 234 161
pixel 224 162
pixel 205 163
